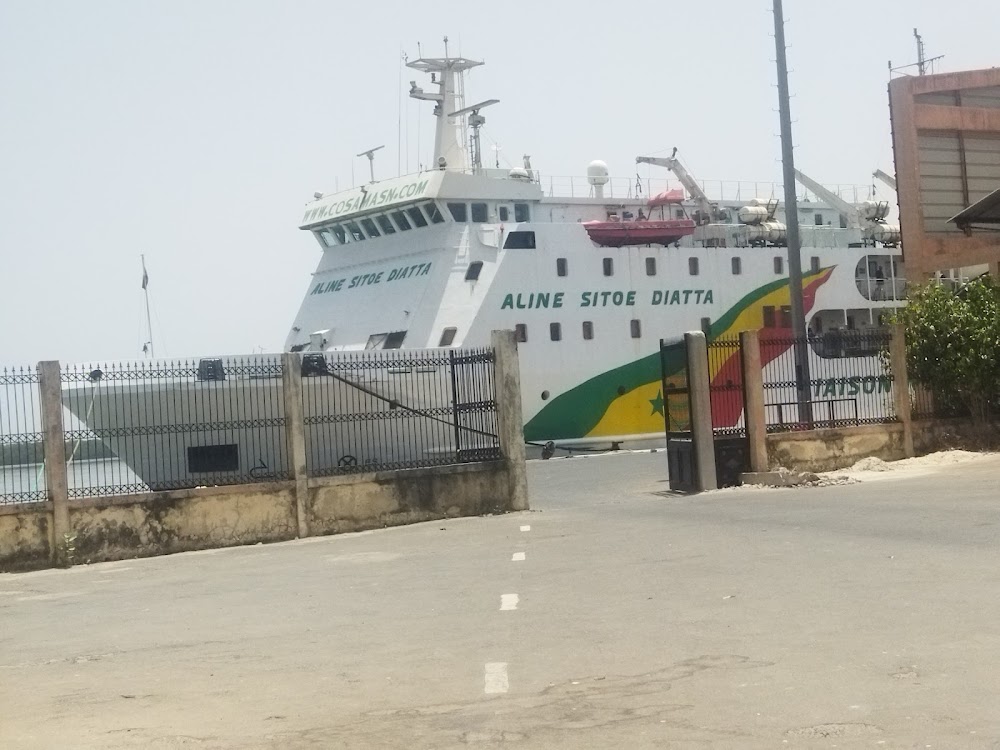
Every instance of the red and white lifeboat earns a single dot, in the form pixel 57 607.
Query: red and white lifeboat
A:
pixel 642 231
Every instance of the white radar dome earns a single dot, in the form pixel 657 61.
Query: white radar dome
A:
pixel 597 172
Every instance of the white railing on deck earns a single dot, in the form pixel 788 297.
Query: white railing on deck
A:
pixel 623 188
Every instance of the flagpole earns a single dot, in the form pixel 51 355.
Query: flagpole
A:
pixel 149 320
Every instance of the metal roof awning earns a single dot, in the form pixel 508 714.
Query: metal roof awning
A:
pixel 984 214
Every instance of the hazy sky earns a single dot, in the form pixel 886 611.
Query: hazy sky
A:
pixel 194 131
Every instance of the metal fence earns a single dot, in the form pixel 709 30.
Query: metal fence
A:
pixel 22 454
pixel 163 425
pixel 725 369
pixel 849 380
pixel 383 410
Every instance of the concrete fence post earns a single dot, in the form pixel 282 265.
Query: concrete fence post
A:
pixel 295 435
pixel 753 400
pixel 509 419
pixel 901 386
pixel 56 474
pixel 700 399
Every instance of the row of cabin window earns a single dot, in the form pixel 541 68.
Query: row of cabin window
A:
pixel 479 212
pixel 555 330
pixel 418 215
pixel 562 267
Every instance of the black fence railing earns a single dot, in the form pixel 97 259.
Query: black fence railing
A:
pixel 140 427
pixel 22 453
pixel 725 371
pixel 384 410
pixel 849 381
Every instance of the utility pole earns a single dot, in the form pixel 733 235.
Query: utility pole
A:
pixel 801 347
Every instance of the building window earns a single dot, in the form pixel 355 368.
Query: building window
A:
pixel 369 227
pixel 588 330
pixel 385 224
pixel 416 216
pixel 401 221
pixel 769 316
pixel 504 213
pixel 609 267
pixel 447 336
pixel 434 212
pixel 459 212
pixel 737 265
pixel 818 219
pixel 555 331
pixel 779 264
pixel 561 269
pixel 521 332
pixel 522 212
pixel 636 328
pixel 520 241
pixel 472 272
pixel 651 266
pixel 814 264
pixel 693 266
pixel 479 213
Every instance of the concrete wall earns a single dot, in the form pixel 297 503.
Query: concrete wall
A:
pixel 25 536
pixel 826 450
pixel 116 528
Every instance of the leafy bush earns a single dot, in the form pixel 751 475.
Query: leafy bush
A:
pixel 953 344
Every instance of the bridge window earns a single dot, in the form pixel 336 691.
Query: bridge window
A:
pixel 843 221
pixel 521 332
pixel 355 231
pixel 479 213
pixel 588 330
pixel 326 237
pixel 472 272
pixel 609 266
pixel 369 227
pixel 818 218
pixel 737 265
pixel 779 264
pixel 555 331
pixel 416 216
pixel 459 212
pixel 433 212
pixel 636 328
pixel 340 233
pixel 401 221
pixel 561 269
pixel 693 266
pixel 522 212
pixel 504 213
pixel 385 224
pixel 447 336
pixel 651 266
pixel 520 241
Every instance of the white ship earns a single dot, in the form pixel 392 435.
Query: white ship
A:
pixel 591 273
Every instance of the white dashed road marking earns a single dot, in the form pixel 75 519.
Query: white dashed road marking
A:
pixel 496 677
pixel 508 601
pixel 517 557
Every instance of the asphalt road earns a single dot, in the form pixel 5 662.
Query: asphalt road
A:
pixel 865 615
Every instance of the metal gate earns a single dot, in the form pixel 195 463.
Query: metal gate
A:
pixel 732 454
pixel 677 415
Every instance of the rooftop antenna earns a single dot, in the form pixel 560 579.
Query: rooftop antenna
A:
pixel 801 347
pixel 496 151
pixel 476 121
pixel 147 348
pixel 923 63
pixel 370 153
